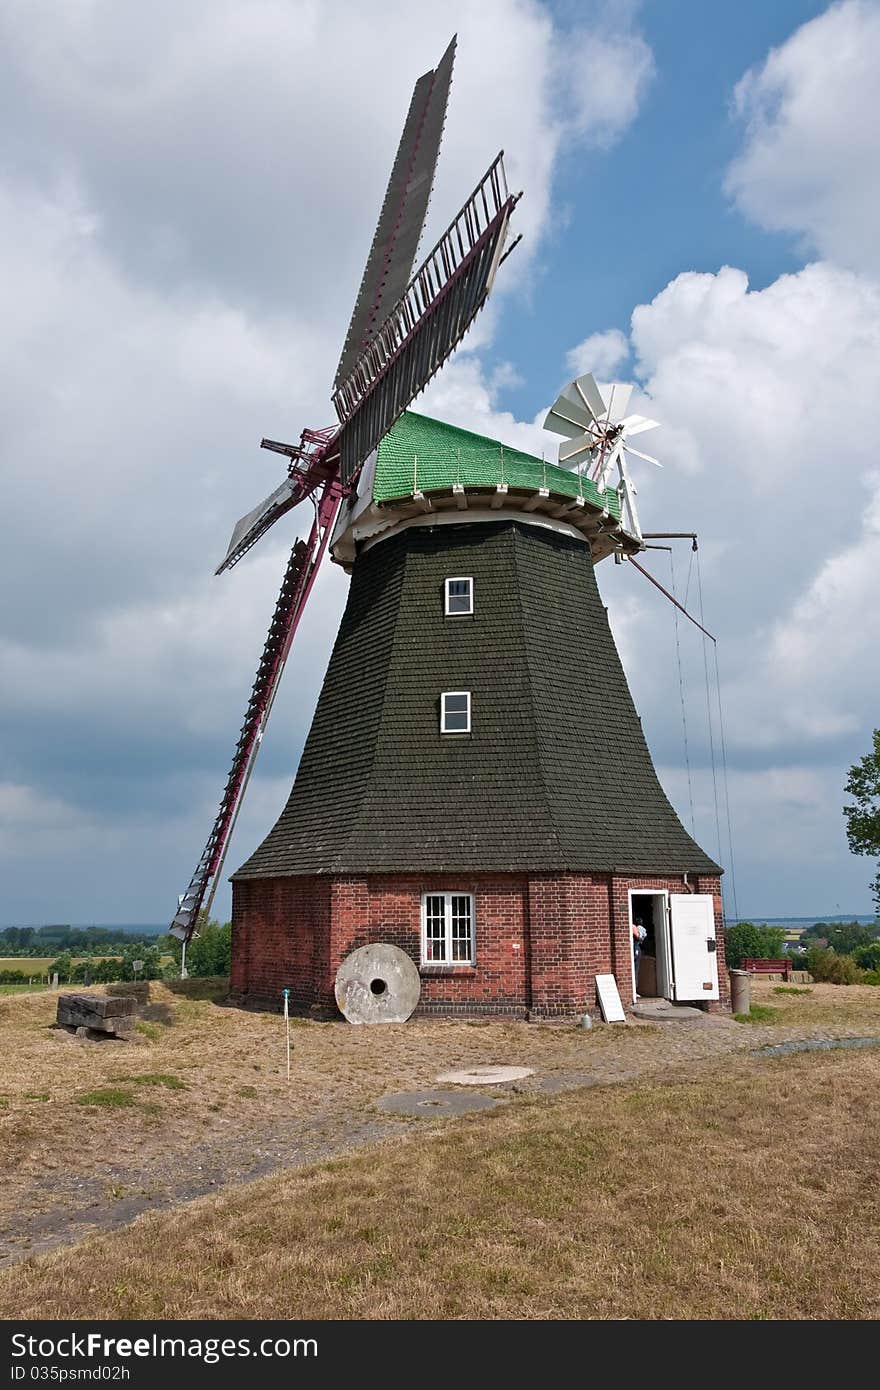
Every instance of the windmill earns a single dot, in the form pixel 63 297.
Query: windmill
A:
pixel 597 430
pixel 403 328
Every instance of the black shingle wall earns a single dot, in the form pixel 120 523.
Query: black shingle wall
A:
pixel 555 773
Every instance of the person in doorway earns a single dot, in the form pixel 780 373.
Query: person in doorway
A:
pixel 639 932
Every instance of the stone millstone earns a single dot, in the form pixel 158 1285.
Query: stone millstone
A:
pixel 427 1105
pixel 485 1076
pixel 103 1013
pixel 377 984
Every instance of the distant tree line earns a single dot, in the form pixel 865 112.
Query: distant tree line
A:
pixel 78 941
pixel 837 952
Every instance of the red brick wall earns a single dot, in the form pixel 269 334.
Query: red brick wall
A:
pixel 540 941
pixel 388 908
pixel 280 939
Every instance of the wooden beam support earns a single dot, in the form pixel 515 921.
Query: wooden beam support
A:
pixel 460 496
pixel 499 496
pixel 536 499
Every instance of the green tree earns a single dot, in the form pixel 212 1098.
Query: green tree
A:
pixel 744 939
pixel 208 953
pixel 831 968
pixel 847 937
pixel 868 957
pixel 62 966
pixel 863 818
pixel 208 950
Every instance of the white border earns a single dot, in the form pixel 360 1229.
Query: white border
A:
pixel 443 695
pixel 447 897
pixel 459 612
pixel 667 944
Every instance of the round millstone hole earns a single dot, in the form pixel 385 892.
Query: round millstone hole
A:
pixel 485 1076
pixel 378 983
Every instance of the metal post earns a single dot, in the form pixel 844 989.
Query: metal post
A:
pixel 183 974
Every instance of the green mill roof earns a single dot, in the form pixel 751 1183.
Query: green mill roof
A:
pixel 423 455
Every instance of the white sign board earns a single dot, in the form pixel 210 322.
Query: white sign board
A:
pixel 695 963
pixel 609 999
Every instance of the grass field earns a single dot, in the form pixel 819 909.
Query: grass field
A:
pixel 750 1193
pixel 38 965
pixel 692 1178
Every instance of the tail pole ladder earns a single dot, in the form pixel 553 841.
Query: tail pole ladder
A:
pixel 302 567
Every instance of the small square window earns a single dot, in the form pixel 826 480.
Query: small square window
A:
pixel 459 598
pixel 455 712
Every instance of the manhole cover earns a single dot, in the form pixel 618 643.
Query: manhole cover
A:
pixel 425 1103
pixel 485 1076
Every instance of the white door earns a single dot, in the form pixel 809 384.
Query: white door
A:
pixel 663 948
pixel 694 959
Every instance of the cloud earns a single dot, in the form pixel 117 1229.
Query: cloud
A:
pixel 769 421
pixel 810 163
pixel 604 78
pixel 600 353
pixel 185 207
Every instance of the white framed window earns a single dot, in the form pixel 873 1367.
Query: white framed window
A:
pixel 459 597
pixel 455 712
pixel 447 929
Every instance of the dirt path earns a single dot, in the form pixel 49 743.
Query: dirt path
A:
pixel 201 1102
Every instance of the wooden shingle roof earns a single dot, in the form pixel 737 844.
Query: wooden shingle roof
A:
pixel 555 773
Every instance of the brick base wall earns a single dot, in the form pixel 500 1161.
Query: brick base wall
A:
pixel 540 940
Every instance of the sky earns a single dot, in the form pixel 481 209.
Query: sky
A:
pixel 187 196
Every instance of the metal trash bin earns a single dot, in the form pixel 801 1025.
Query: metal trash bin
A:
pixel 740 991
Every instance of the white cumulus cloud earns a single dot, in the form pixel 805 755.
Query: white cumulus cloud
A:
pixel 810 163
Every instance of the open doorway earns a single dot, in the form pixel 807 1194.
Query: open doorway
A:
pixel 654 977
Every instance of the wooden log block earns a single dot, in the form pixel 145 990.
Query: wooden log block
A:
pixel 104 1013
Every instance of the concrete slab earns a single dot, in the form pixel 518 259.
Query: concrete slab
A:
pixel 429 1104
pixel 663 1011
pixel 485 1076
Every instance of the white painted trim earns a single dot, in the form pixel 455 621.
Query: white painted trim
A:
pixel 443 697
pixel 447 927
pixel 453 517
pixel 665 943
pixel 458 612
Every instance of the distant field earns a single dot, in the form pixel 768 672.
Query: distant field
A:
pixel 38 965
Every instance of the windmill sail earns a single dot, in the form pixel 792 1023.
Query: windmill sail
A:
pixel 390 262
pixel 428 322
pixel 249 528
pixel 401 332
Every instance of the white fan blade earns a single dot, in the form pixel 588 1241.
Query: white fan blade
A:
pixel 637 424
pixel 576 449
pixel 639 455
pixel 605 465
pixel 587 390
pixel 617 395
pixel 565 418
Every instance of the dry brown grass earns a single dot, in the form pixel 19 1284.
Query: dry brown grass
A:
pixel 835 1007
pixel 230 1066
pixel 224 1109
pixel 748 1193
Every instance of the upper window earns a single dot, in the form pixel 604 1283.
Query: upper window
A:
pixel 455 712
pixel 459 597
pixel 447 928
